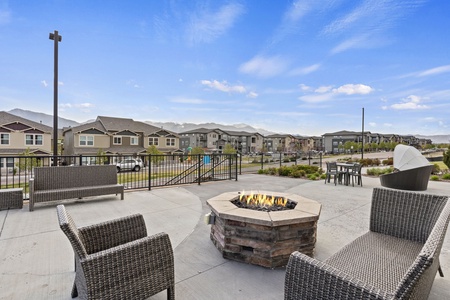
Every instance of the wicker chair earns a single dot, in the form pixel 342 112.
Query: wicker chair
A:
pixel 117 260
pixel 397 259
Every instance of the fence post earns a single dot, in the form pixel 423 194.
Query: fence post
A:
pixel 280 159
pixel 262 161
pixel 149 172
pixel 81 160
pixel 199 171
pixel 240 156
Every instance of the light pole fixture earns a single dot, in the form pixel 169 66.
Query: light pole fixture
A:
pixel 57 38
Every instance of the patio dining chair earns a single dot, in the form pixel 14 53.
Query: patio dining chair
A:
pixel 117 260
pixel 331 171
pixel 355 173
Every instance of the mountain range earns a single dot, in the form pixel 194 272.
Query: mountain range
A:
pixel 171 126
pixel 177 127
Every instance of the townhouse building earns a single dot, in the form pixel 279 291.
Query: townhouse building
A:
pixel 118 137
pixel 19 135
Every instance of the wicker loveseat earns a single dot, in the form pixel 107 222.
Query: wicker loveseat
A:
pixel 397 259
pixel 117 260
pixel 58 183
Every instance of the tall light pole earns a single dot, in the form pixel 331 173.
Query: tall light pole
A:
pixel 362 135
pixel 57 38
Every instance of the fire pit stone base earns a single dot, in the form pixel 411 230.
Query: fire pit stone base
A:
pixel 264 238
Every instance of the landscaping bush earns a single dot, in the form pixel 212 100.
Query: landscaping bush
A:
pixel 388 162
pixel 379 171
pixel 435 178
pixel 436 169
pixel 446 176
pixel 285 171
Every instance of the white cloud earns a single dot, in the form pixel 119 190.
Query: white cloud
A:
pixel 323 89
pixel 304 87
pixel 306 70
pixel 264 66
pixel 351 89
pixel 224 86
pixel 317 98
pixel 252 95
pixel 207 26
pixel 352 43
pixel 434 71
pixel 387 125
pixel 366 23
pixel 372 124
pixel 411 102
pixel 44 83
pixel 326 93
pixel 60 83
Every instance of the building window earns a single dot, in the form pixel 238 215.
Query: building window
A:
pixel 9 162
pixel 134 140
pixel 33 139
pixel 86 140
pixel 4 139
pixel 117 140
pixel 170 142
pixel 153 141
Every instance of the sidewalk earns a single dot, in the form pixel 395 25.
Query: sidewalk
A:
pixel 36 259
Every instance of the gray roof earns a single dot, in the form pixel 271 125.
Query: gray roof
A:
pixel 112 125
pixel 7 118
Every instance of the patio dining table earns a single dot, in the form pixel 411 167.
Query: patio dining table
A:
pixel 345 169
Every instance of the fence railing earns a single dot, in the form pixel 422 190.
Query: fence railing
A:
pixel 144 171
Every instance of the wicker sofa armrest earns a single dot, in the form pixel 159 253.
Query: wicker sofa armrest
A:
pixel 112 233
pixel 398 213
pixel 310 279
pixel 141 267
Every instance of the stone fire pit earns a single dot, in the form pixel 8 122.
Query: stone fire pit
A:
pixel 260 237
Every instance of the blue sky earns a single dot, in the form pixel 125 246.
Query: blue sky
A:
pixel 301 67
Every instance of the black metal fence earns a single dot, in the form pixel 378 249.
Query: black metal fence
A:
pixel 145 171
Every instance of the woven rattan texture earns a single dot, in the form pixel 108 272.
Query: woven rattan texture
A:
pixel 58 183
pixel 11 198
pixel 397 259
pixel 132 269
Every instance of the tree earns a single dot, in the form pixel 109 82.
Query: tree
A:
pixel 101 157
pixel 446 158
pixel 229 149
pixel 28 162
pixel 155 154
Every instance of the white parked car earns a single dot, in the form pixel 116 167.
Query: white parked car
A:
pixel 130 164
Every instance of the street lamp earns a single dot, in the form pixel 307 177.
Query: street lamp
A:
pixel 57 38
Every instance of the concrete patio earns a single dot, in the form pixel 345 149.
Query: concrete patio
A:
pixel 36 259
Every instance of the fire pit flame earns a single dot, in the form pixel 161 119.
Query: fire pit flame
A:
pixel 262 200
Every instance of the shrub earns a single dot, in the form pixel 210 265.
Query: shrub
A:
pixel 286 160
pixel 446 176
pixel 388 162
pixel 376 162
pixel 298 173
pixel 379 171
pixel 285 171
pixel 323 176
pixel 262 171
pixel 272 171
pixel 446 158
pixel 312 177
pixel 435 178
pixel 436 169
